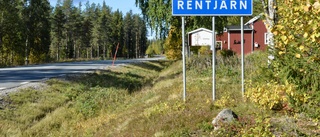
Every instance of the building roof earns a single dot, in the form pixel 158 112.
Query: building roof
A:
pixel 254 19
pixel 200 29
pixel 246 25
pixel 236 28
pixel 232 27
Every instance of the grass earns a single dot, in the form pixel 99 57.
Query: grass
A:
pixel 142 99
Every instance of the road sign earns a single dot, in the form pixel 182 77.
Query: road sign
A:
pixel 212 7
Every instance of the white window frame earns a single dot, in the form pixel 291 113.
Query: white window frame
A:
pixel 266 38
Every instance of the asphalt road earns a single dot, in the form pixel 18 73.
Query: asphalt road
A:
pixel 17 76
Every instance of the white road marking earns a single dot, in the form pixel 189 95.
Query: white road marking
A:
pixel 1 88
pixel 23 83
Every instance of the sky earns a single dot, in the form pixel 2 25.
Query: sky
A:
pixel 123 5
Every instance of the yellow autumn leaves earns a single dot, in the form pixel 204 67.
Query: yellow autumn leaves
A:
pixel 298 30
pixel 270 95
pixel 315 6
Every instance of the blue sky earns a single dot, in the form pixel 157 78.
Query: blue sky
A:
pixel 123 5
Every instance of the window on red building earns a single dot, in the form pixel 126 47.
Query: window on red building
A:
pixel 266 39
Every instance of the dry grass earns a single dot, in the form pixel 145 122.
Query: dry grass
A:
pixel 136 100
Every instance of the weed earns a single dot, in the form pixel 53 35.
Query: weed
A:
pixel 142 99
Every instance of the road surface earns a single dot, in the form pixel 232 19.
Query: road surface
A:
pixel 17 76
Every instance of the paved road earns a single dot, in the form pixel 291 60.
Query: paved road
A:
pixel 13 77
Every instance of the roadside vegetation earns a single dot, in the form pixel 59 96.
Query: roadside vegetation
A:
pixel 34 32
pixel 145 99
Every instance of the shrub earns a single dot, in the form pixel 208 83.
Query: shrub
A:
pixel 227 53
pixel 297 60
pixel 270 95
pixel 173 44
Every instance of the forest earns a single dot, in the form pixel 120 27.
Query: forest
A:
pixel 33 32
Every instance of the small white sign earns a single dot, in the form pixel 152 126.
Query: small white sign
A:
pixel 200 37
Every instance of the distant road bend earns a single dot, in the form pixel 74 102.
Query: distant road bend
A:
pixel 17 76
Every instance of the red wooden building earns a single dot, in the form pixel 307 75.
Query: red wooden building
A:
pixel 255 37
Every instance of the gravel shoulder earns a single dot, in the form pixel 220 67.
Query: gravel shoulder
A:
pixel 32 85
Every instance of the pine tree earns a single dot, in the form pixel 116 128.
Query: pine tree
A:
pixel 117 34
pixel 67 8
pixel 96 35
pixel 11 33
pixel 77 30
pixel 140 32
pixel 128 37
pixel 105 28
pixel 36 17
pixel 87 30
pixel 58 21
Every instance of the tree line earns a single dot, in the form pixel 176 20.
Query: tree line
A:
pixel 168 28
pixel 31 31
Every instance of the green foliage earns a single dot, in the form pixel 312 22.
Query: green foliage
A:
pixel 271 95
pixel 134 35
pixel 227 53
pixel 257 10
pixel 200 50
pixel 145 99
pixel 173 44
pixel 11 36
pixel 157 15
pixel 261 127
pixel 67 107
pixel 226 100
pixel 32 30
pixel 297 51
pixel 155 48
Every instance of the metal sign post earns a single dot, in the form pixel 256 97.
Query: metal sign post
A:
pixel 242 58
pixel 183 62
pixel 211 8
pixel 213 59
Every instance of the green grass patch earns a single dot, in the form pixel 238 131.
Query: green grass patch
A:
pixel 143 99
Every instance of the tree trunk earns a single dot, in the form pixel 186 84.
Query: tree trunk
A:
pixel 79 55
pixel 74 49
pixel 12 55
pixel 104 51
pixel 87 53
pixel 270 13
pixel 66 52
pixel 58 52
pixel 91 52
pixel 1 49
pixel 27 54
pixel 128 48
pixel 137 46
pixel 1 57
pixel 98 51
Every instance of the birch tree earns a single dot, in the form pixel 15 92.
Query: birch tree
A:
pixel 270 14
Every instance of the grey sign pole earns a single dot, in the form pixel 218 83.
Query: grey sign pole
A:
pixel 242 57
pixel 184 62
pixel 213 59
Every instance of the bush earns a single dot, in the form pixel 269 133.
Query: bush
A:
pixel 173 44
pixel 270 95
pixel 200 50
pixel 155 48
pixel 297 60
pixel 227 53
